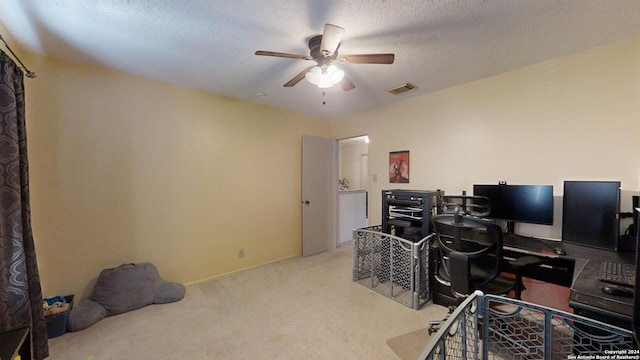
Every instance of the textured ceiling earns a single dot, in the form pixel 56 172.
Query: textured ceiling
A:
pixel 210 44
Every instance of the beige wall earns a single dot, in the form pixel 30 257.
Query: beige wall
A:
pixel 573 118
pixel 125 169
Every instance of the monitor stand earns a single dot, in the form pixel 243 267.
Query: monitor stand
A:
pixel 512 239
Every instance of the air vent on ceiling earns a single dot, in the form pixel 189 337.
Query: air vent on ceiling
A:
pixel 401 88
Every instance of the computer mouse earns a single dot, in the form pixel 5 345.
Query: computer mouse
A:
pixel 617 291
pixel 559 251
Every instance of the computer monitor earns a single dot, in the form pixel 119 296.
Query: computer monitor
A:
pixel 591 213
pixel 519 203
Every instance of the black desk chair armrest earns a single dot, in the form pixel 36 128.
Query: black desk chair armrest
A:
pixel 518 265
pixel 522 262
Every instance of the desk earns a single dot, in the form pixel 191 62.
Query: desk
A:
pixel 578 270
pixel 586 296
pixel 553 269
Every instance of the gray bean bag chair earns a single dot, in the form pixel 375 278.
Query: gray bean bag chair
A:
pixel 121 289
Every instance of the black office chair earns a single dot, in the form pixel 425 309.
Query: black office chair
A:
pixel 484 260
pixel 469 252
pixel 469 255
pixel 477 206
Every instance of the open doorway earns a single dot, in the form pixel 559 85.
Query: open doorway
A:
pixel 353 162
pixel 353 175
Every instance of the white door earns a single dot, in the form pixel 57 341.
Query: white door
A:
pixel 319 194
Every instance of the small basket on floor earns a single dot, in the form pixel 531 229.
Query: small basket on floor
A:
pixel 57 323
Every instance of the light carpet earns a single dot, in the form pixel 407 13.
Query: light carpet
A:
pixel 299 308
pixel 409 346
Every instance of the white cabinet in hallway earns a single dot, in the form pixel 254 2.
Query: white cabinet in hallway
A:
pixel 352 213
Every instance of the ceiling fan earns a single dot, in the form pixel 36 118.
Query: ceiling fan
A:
pixel 324 51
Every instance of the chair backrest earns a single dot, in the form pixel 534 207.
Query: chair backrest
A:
pixel 478 206
pixel 469 252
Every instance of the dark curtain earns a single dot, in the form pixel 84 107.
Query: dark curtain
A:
pixel 20 291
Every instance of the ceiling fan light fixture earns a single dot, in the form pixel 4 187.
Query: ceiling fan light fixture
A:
pixel 324 76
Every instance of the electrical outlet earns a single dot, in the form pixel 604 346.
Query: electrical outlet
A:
pixel 240 253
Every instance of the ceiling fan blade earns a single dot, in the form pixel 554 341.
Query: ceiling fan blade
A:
pixel 368 59
pixel 331 38
pixel 347 84
pixel 296 79
pixel 283 55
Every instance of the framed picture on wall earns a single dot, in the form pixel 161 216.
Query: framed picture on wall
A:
pixel 399 166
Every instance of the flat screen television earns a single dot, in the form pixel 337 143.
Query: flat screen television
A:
pixel 519 203
pixel 590 213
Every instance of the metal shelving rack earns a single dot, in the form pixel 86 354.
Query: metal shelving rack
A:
pixel 407 213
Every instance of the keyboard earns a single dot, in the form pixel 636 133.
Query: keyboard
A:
pixel 617 273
